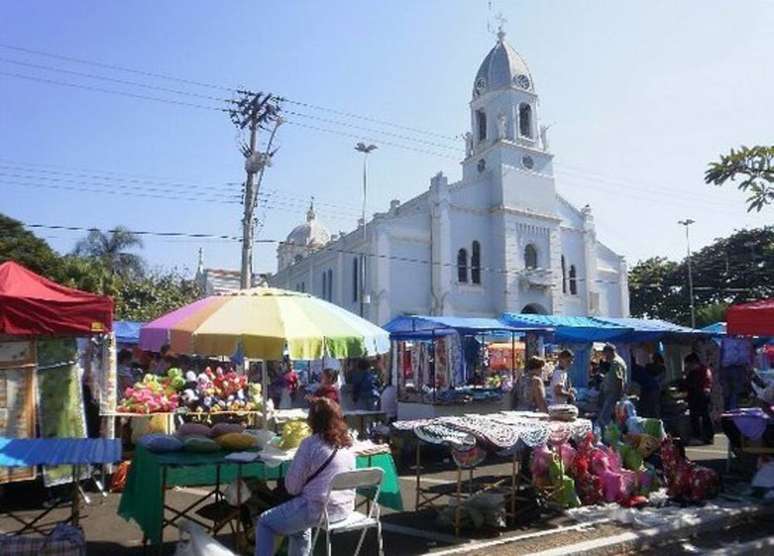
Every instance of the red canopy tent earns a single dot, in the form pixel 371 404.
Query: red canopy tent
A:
pixel 751 319
pixel 33 305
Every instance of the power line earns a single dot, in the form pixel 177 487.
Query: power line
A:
pixel 227 187
pixel 107 175
pixel 168 77
pixel 111 91
pixel 212 108
pixel 226 100
pixel 114 80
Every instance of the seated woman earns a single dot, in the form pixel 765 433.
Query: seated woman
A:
pixel 318 460
pixel 530 393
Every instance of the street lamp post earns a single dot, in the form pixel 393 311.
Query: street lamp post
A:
pixel 687 222
pixel 366 150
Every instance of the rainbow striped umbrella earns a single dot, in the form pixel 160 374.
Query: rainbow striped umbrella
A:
pixel 263 322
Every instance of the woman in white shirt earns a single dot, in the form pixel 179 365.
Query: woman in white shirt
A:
pixel 318 460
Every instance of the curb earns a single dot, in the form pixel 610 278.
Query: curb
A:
pixel 637 540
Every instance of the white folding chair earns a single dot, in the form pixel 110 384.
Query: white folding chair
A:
pixel 368 478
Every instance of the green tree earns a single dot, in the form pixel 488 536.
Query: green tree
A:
pixel 21 245
pixel 754 166
pixel 112 250
pixel 733 269
pixel 656 290
pixel 151 296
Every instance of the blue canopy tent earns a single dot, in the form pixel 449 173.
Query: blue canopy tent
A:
pixel 426 326
pixel 127 331
pixel 650 330
pixel 717 329
pixel 569 330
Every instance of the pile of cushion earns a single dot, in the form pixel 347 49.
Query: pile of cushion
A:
pixel 200 438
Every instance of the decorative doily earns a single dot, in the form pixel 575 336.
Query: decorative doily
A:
pixel 441 433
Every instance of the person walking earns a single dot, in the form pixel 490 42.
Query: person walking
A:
pixel 698 385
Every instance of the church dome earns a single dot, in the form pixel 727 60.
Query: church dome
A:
pixel 502 68
pixel 311 233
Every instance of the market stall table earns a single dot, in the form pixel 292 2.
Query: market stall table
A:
pixel 76 452
pixel 151 472
pixel 505 432
pixel 749 431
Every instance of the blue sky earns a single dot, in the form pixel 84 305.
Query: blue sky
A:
pixel 640 95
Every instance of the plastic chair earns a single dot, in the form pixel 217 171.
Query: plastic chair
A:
pixel 368 478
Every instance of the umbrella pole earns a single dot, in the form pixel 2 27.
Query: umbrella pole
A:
pixel 265 394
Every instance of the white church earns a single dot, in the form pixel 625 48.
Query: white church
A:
pixel 500 239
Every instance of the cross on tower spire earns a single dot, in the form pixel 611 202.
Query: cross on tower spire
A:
pixel 501 21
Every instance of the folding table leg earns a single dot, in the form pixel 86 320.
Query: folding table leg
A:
pixel 75 514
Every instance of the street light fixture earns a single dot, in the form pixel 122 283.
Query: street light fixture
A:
pixel 687 222
pixel 366 150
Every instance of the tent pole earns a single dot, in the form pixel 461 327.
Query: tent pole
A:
pixel 432 363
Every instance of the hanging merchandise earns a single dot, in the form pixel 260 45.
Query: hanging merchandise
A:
pixel 457 360
pixel 60 400
pixel 17 400
pixel 736 351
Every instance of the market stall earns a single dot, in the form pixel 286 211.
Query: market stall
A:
pixel 41 363
pixel 751 430
pixel 441 364
pixel 262 324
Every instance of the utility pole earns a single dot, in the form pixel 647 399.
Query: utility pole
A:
pixel 687 222
pixel 254 111
pixel 366 150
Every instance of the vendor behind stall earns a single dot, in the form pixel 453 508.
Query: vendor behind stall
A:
pixel 559 390
pixel 328 386
pixel 612 388
pixel 650 388
pixel 365 386
pixel 530 394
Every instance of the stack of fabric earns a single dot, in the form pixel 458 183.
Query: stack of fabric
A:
pixel 563 412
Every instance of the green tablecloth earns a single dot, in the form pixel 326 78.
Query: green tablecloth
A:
pixel 141 500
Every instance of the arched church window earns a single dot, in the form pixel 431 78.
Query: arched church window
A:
pixel 462 266
pixel 475 263
pixel 573 280
pixel 525 120
pixel 530 257
pixel 355 281
pixel 564 275
pixel 481 124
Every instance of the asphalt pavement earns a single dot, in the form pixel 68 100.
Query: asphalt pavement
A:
pixel 406 533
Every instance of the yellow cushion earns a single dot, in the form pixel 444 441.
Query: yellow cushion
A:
pixel 236 441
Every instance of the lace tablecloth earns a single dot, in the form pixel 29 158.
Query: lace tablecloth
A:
pixel 502 431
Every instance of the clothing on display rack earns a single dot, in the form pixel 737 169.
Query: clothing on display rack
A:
pixel 17 400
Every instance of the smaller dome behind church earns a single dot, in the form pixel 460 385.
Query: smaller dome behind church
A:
pixel 311 233
pixel 303 240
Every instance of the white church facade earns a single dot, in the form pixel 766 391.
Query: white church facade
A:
pixel 500 239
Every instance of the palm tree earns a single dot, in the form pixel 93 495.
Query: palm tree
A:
pixel 111 250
